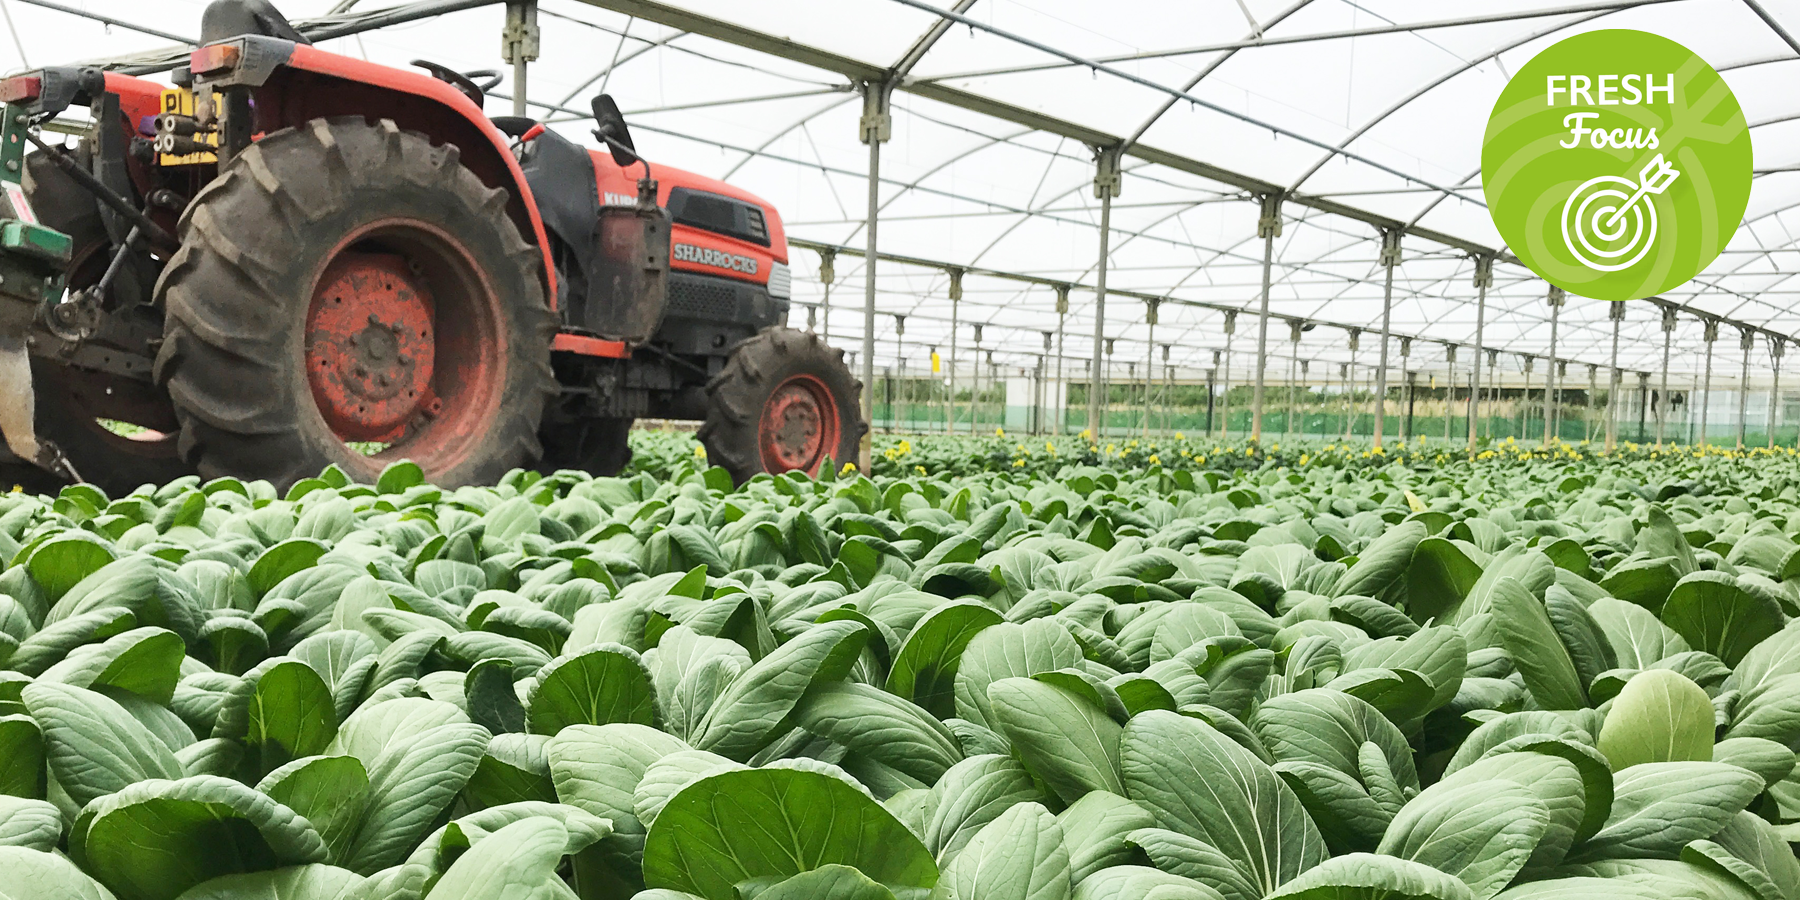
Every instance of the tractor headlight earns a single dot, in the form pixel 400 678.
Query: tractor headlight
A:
pixel 781 281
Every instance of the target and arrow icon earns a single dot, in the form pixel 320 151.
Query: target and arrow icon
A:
pixel 1609 222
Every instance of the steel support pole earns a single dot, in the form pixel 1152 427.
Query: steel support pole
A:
pixel 1588 427
pixel 1449 387
pixel 1344 387
pixel 1777 347
pixel 1556 303
pixel 1406 392
pixel 1295 327
pixel 1562 371
pixel 1493 390
pixel 1616 312
pixel 1062 387
pixel 1225 379
pixel 1106 187
pixel 956 293
pixel 1350 413
pixel 1390 257
pixel 1643 402
pixel 1305 367
pixel 1746 343
pixel 1484 278
pixel 1662 407
pixel 827 274
pixel 1268 227
pixel 876 126
pixel 519 46
pixel 1711 334
pixel 1149 361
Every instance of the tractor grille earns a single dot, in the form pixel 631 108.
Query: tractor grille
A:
pixel 694 299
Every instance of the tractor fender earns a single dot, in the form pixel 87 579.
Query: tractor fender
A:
pixel 296 83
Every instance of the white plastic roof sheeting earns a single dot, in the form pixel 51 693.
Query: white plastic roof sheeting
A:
pixel 1363 110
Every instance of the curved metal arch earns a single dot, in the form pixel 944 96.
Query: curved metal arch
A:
pixel 802 122
pixel 1210 68
pixel 1344 145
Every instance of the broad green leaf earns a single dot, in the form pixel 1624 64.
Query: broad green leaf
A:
pixel 756 708
pixel 155 839
pixel 1019 856
pixel 37 824
pixel 1383 563
pixel 411 782
pixel 597 769
pixel 1199 782
pixel 596 686
pixel 714 834
pixel 1363 876
pixel 292 715
pixel 1661 537
pixel 519 860
pixel 1141 883
pixel 973 793
pixel 1095 830
pixel 36 875
pixel 1658 807
pixel 1188 857
pixel 1639 639
pixel 1067 741
pixel 94 746
pixel 22 757
pixel 310 882
pixel 881 726
pixel 1713 612
pixel 1531 641
pixel 145 661
pixel 834 881
pixel 1329 728
pixel 1660 716
pixel 1480 832
pixel 328 791
pixel 282 560
pixel 63 561
pixel 924 671
pixel 1009 651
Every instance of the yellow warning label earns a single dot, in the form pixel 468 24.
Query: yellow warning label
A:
pixel 180 102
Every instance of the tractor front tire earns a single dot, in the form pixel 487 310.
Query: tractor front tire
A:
pixel 785 401
pixel 349 293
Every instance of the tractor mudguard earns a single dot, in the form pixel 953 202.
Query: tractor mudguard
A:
pixel 294 83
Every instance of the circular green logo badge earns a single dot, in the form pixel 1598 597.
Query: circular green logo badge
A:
pixel 1616 164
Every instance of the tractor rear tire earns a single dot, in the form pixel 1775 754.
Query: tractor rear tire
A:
pixel 346 282
pixel 69 402
pixel 599 447
pixel 785 401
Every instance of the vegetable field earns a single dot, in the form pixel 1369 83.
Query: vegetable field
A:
pixel 1185 673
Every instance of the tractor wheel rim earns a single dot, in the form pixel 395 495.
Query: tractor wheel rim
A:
pixel 799 425
pixel 369 346
pixel 404 344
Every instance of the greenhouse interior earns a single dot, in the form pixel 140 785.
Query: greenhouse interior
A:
pixel 899 450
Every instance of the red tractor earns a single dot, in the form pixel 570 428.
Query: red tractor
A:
pixel 293 258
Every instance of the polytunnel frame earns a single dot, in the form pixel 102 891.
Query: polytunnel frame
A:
pixel 876 85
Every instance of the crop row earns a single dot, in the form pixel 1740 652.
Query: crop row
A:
pixel 1532 679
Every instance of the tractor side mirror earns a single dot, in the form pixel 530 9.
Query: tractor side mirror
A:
pixel 610 130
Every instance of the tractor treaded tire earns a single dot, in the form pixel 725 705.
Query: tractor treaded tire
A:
pixel 237 295
pixel 758 365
